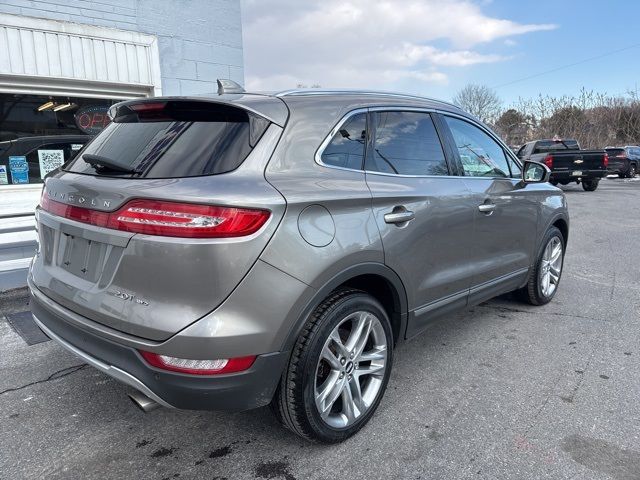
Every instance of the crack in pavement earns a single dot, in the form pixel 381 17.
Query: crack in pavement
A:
pixel 530 312
pixel 54 376
pixel 572 395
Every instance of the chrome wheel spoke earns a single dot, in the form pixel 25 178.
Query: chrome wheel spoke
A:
pixel 356 394
pixel 331 390
pixel 360 333
pixel 372 369
pixel 377 353
pixel 545 284
pixel 349 408
pixel 331 358
pixel 337 342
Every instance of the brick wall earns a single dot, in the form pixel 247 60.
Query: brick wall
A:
pixel 199 40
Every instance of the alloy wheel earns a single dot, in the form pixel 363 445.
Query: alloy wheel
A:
pixel 551 267
pixel 350 371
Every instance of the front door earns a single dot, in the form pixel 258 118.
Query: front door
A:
pixel 506 211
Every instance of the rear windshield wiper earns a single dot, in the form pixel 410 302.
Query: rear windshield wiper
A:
pixel 98 161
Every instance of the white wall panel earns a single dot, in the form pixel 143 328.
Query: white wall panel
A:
pixel 61 50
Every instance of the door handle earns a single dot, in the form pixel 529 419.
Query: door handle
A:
pixel 487 208
pixel 399 216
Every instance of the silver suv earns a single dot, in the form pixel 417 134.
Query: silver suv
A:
pixel 251 249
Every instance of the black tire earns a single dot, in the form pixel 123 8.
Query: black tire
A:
pixel 632 171
pixel 590 185
pixel 294 400
pixel 622 175
pixel 532 292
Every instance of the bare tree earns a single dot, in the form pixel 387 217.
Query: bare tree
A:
pixel 480 101
pixel 594 119
pixel 514 126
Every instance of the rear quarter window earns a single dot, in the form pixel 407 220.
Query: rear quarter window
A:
pixel 346 148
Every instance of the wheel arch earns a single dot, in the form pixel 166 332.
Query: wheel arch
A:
pixel 378 280
pixel 561 224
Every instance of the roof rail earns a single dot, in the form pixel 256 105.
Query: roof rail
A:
pixel 228 86
pixel 313 91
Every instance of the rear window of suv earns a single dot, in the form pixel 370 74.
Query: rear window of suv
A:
pixel 613 152
pixel 171 139
pixel 544 146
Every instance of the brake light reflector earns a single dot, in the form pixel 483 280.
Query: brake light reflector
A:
pixel 198 367
pixel 548 161
pixel 605 160
pixel 169 219
pixel 147 106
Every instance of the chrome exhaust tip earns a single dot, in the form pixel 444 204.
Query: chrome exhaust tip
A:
pixel 143 402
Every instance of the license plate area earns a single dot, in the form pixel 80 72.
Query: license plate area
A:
pixel 81 257
pixel 577 173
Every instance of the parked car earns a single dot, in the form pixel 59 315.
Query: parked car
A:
pixel 568 163
pixel 49 150
pixel 251 249
pixel 623 160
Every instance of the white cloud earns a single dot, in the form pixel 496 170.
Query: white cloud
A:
pixel 367 43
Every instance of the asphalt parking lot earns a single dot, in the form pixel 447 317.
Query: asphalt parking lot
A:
pixel 502 390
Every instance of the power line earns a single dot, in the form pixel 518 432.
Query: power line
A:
pixel 569 65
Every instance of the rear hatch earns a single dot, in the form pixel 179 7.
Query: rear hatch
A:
pixel 617 158
pixel 159 218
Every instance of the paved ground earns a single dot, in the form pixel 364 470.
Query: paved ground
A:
pixel 502 390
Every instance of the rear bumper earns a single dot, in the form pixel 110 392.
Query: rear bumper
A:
pixel 567 176
pixel 618 166
pixel 239 391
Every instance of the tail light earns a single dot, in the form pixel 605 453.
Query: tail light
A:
pixel 605 160
pixel 169 219
pixel 548 161
pixel 198 367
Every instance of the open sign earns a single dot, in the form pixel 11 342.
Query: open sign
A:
pixel 92 119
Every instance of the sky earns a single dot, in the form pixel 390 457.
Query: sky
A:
pixel 436 47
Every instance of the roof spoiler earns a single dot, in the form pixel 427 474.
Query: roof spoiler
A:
pixel 228 86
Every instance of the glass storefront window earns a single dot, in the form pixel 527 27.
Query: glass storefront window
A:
pixel 40 133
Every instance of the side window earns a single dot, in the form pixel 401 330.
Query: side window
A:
pixel 481 156
pixel 346 148
pixel 406 143
pixel 48 157
pixel 521 151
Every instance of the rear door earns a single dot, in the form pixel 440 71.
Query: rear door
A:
pixel 163 219
pixel 424 212
pixel 505 211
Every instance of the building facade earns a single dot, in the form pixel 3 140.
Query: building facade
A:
pixel 63 63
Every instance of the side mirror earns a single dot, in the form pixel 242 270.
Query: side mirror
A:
pixel 534 172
